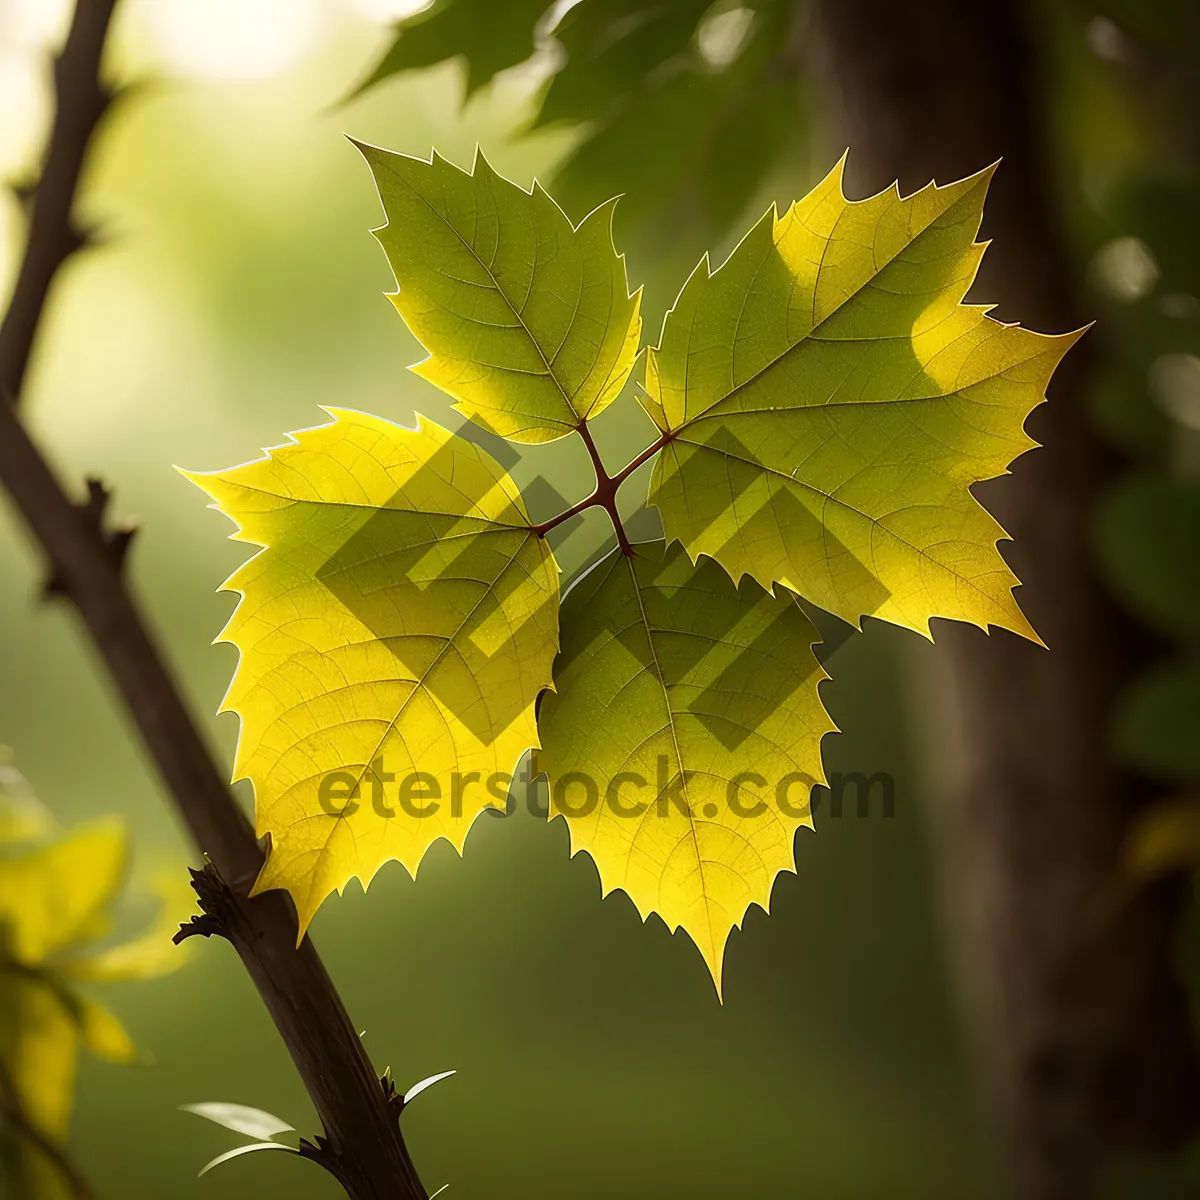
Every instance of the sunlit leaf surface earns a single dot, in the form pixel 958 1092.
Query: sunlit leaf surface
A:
pixel 395 631
pixel 830 400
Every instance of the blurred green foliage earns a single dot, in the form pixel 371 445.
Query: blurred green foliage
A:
pixel 686 109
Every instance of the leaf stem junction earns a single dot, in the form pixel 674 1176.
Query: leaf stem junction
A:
pixel 604 495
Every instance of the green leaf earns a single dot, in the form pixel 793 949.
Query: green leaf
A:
pixel 1157 721
pixel 687 145
pixel 240 1150
pixel 612 48
pixel 395 631
pixel 670 674
pixel 830 401
pixel 491 36
pixel 253 1122
pixel 424 1084
pixel 1148 533
pixel 527 319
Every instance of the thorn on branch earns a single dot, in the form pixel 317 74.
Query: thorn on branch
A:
pixel 322 1153
pixel 392 1098
pixel 85 237
pixel 116 538
pixel 24 189
pixel 201 925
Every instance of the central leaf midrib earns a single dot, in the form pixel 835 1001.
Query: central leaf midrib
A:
pixel 637 591
pixel 499 290
pixel 418 685
pixel 828 316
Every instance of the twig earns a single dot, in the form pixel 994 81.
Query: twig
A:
pixel 80 101
pixel 365 1148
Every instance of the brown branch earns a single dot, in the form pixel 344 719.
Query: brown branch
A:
pixel 80 103
pixel 365 1148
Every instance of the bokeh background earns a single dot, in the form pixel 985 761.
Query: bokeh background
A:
pixel 236 289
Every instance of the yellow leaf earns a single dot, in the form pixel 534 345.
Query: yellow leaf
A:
pixel 103 1035
pixel 153 954
pixel 55 896
pixel 830 400
pixel 39 1043
pixel 684 737
pixel 1164 838
pixel 527 319
pixel 39 1048
pixel 395 632
pixel 22 817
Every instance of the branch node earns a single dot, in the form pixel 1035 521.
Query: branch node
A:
pixel 82 236
pixel 201 925
pixel 319 1151
pixel 392 1098
pixel 116 538
pixel 24 189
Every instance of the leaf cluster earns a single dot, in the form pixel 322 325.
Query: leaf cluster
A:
pixel 56 895
pixel 824 402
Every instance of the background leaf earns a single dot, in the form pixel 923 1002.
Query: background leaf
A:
pixel 1156 723
pixel 489 35
pixel 56 895
pixel 152 954
pixel 686 108
pixel 1149 542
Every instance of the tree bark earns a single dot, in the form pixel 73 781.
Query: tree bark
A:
pixel 1083 1028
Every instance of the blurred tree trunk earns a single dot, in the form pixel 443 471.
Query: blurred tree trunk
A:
pixel 1081 1024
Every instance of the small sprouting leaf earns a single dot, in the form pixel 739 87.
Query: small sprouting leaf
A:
pixel 417 1088
pixel 240 1150
pixel 253 1122
pixel 827 386
pixel 527 319
pixel 395 632
pixel 684 737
